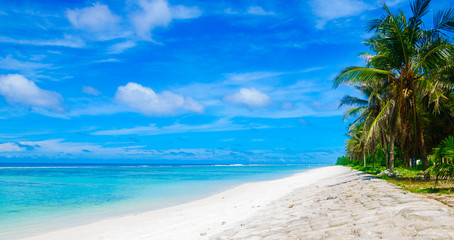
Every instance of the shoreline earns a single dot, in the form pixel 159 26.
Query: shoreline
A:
pixel 226 177
pixel 325 203
pixel 239 200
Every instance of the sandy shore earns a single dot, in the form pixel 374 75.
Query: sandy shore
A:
pixel 325 203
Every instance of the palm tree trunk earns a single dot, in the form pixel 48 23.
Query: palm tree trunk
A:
pixel 425 163
pixel 385 148
pixel 364 158
pixel 391 152
pixel 422 146
pixel 406 156
pixel 374 150
pixel 405 141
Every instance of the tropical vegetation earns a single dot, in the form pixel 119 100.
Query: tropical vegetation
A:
pixel 406 114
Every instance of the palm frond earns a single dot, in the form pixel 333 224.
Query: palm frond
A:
pixel 352 101
pixel 419 8
pixel 353 113
pixel 436 57
pixel 444 20
pixel 447 147
pixel 359 75
pixel 381 118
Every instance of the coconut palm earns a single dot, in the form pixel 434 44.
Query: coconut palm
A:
pixel 355 144
pixel 367 111
pixel 413 64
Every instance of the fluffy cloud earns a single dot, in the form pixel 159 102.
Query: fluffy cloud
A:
pixel 102 24
pixel 327 10
pixel 91 91
pixel 148 102
pixel 94 18
pixel 251 97
pixel 18 90
pixel 158 13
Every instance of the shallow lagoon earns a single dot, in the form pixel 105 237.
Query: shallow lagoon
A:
pixel 37 198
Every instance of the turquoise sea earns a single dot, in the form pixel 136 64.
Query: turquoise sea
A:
pixel 37 198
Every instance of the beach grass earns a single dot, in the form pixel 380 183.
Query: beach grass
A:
pixel 443 191
pixel 412 180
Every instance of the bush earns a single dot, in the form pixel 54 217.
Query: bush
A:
pixel 380 157
pixel 444 157
pixel 343 161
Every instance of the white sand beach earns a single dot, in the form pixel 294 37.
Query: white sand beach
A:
pixel 325 203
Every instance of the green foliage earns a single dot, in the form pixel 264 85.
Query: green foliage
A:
pixel 344 161
pixel 380 157
pixel 408 102
pixel 398 161
pixel 408 173
pixel 385 177
pixel 436 190
pixel 444 160
pixel 368 169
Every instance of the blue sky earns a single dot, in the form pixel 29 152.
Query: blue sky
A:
pixel 177 81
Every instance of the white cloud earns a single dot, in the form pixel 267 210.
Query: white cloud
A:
pixel 91 90
pixel 94 18
pixel 38 57
pixel 96 109
pixel 11 63
pixel 222 124
pixel 141 130
pixel 392 3
pixel 18 90
pixel 327 10
pixel 256 10
pixel 107 60
pixel 62 148
pixel 158 13
pixel 121 47
pixel 183 12
pixel 59 148
pixel 148 102
pixel 67 41
pixel 251 97
pixel 252 10
pixel 241 78
pixel 10 147
pixel 287 101
pixel 153 14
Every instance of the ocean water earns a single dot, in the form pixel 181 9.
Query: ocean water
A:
pixel 39 198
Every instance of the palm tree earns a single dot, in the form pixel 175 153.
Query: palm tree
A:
pixel 355 144
pixel 367 111
pixel 412 64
